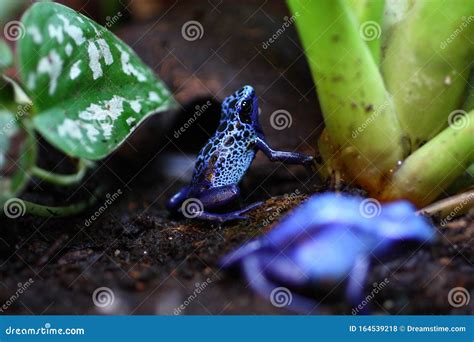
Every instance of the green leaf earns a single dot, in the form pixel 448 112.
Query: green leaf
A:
pixel 89 88
pixel 17 155
pixel 6 56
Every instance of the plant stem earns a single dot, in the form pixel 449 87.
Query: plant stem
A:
pixel 360 119
pixel 63 180
pixel 62 211
pixel 370 14
pixel 426 65
pixel 427 172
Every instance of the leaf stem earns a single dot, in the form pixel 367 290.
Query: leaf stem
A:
pixel 59 179
pixel 62 211
pixel 426 173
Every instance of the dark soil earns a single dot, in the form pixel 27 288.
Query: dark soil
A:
pixel 152 262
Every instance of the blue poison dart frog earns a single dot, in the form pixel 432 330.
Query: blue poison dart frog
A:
pixel 225 159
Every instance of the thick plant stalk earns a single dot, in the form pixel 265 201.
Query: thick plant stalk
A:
pixel 360 119
pixel 426 173
pixel 426 65
pixel 469 100
pixel 370 14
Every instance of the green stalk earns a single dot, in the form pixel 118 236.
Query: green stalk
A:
pixel 370 14
pixel 433 167
pixel 48 211
pixel 426 65
pixel 469 100
pixel 59 179
pixel 361 123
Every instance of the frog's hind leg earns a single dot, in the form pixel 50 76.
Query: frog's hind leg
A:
pixel 175 202
pixel 220 197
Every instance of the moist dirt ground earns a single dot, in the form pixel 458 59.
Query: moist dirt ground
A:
pixel 152 262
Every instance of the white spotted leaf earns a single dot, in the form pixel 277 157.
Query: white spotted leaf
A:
pixel 89 88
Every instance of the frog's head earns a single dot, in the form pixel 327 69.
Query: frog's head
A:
pixel 242 106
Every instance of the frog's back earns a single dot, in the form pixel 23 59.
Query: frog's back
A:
pixel 226 156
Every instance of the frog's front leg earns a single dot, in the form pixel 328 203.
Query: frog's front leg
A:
pixel 283 156
pixel 219 197
pixel 175 202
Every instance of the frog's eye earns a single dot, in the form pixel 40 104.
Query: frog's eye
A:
pixel 245 110
pixel 245 106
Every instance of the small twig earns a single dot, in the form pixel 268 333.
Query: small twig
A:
pixel 452 206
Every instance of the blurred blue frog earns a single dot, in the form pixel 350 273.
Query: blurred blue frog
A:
pixel 329 239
